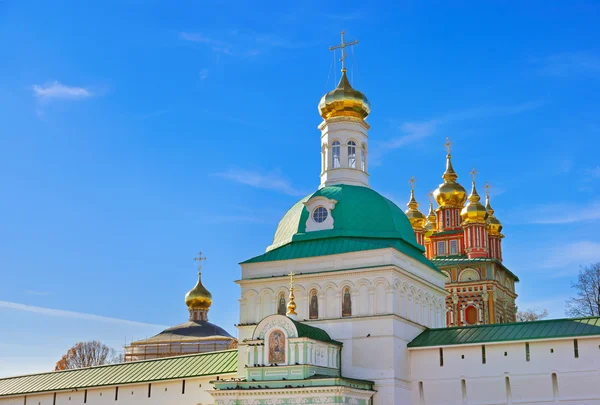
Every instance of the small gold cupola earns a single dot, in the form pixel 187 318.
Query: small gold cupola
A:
pixel 431 225
pixel 416 217
pixel 474 212
pixel 494 225
pixel 199 299
pixel 450 194
pixel 344 101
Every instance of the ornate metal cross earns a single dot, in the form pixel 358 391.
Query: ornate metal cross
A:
pixel 292 274
pixel 473 174
pixel 343 46
pixel 487 188
pixel 430 197
pixel 199 259
pixel 412 182
pixel 448 145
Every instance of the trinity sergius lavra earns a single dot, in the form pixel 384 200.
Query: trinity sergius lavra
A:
pixel 355 302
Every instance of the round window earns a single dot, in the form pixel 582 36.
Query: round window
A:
pixel 320 214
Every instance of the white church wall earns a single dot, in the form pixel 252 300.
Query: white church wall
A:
pixel 509 375
pixel 165 392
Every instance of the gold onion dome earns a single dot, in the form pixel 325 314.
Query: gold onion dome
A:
pixel 450 193
pixel 416 217
pixel 198 297
pixel 495 226
pixel 474 211
pixel 431 225
pixel 344 101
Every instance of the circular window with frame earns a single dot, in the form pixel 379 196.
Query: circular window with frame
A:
pixel 320 214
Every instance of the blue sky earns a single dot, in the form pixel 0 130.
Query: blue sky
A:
pixel 135 133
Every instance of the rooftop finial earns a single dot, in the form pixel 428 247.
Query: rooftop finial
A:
pixel 487 189
pixel 412 182
pixel 473 174
pixel 448 145
pixel 343 46
pixel 291 307
pixel 199 259
pixel 430 197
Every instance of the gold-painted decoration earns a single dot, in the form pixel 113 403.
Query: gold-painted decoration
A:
pixel 199 297
pixel 416 217
pixel 431 226
pixel 450 194
pixel 474 212
pixel 344 101
pixel 494 225
pixel 291 307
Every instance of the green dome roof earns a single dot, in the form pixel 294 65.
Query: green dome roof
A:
pixel 360 212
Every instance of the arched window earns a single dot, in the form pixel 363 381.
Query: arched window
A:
pixel 281 304
pixel 313 309
pixel 347 302
pixel 352 155
pixel 335 154
pixel 363 158
pixel 471 315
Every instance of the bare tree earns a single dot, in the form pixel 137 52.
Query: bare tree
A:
pixel 587 300
pixel 87 354
pixel 529 315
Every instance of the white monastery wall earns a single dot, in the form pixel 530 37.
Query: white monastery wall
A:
pixel 552 373
pixel 161 393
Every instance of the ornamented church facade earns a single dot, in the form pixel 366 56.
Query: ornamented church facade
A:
pixel 350 305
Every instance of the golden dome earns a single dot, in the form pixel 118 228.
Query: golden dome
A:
pixel 198 297
pixel 450 193
pixel 344 101
pixel 431 225
pixel 474 212
pixel 416 217
pixel 494 225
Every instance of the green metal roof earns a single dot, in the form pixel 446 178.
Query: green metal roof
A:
pixel 146 371
pixel 312 332
pixel 447 232
pixel 505 332
pixel 359 212
pixel 442 261
pixel 338 245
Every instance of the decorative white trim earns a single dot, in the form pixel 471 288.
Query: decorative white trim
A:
pixel 313 204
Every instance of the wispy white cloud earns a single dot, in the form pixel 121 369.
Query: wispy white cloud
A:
pixel 57 90
pixel 204 73
pixel 569 64
pixel 33 292
pixel 70 314
pixel 572 256
pixel 270 181
pixel 414 131
pixel 561 213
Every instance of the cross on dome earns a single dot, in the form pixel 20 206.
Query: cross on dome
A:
pixel 412 182
pixel 448 145
pixel 199 259
pixel 473 174
pixel 487 189
pixel 343 46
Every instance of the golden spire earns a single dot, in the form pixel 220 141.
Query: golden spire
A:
pixel 494 225
pixel 198 299
pixel 431 225
pixel 450 193
pixel 291 307
pixel 416 217
pixel 474 211
pixel 344 101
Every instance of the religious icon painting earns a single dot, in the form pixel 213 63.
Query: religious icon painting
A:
pixel 313 310
pixel 346 303
pixel 276 347
pixel 281 305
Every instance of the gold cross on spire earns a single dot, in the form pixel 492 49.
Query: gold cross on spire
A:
pixel 448 145
pixel 430 197
pixel 292 274
pixel 473 174
pixel 199 259
pixel 487 189
pixel 412 182
pixel 343 46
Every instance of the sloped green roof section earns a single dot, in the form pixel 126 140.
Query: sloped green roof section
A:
pixel 194 365
pixel 338 245
pixel 506 332
pixel 359 212
pixel 311 332
pixel 457 260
